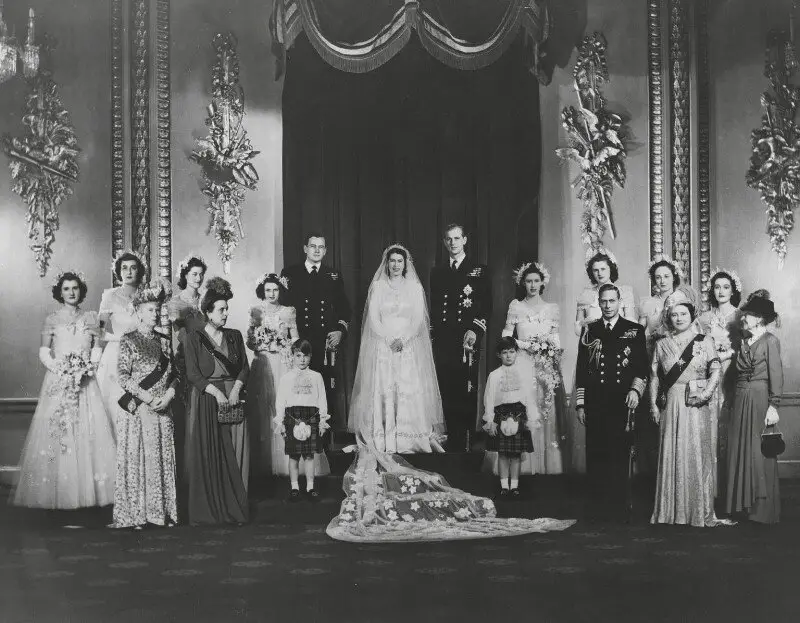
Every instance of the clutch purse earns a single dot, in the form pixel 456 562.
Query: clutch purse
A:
pixel 695 389
pixel 129 403
pixel 231 414
pixel 772 444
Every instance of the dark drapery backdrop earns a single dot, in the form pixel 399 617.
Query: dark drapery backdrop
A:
pixel 395 154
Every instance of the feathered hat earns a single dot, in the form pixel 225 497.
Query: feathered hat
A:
pixel 217 289
pixel 157 291
pixel 759 304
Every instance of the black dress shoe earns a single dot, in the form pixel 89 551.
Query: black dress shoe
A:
pixel 294 495
pixel 504 493
pixel 312 495
pixel 514 493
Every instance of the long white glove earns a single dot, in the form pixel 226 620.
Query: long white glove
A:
pixel 97 353
pixel 47 359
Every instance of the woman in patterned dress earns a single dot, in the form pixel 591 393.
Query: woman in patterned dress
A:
pixel 145 485
pixel 752 479
pixel 116 319
pixel 535 323
pixel 273 329
pixel 686 370
pixel 723 324
pixel 68 458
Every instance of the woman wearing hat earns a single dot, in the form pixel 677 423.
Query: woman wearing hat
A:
pixel 217 453
pixel 752 477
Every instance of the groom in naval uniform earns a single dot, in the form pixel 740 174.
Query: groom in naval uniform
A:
pixel 461 302
pixel 610 379
pixel 323 311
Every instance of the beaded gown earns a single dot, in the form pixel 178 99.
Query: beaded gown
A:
pixel 145 484
pixel 685 481
pixel 122 318
pixel 534 324
pixel 267 449
pixel 71 466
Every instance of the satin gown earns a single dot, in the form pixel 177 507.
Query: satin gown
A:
pixel 68 467
pixel 122 319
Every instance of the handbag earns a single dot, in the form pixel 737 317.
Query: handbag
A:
pixel 772 444
pixel 695 389
pixel 231 414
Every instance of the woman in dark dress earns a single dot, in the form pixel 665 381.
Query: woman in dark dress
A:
pixel 753 478
pixel 217 455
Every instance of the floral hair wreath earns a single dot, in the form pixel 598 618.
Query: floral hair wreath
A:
pixel 539 267
pixel 737 281
pixel 267 276
pixel 135 254
pixel 61 274
pixel 184 263
pixel 592 251
pixel 666 259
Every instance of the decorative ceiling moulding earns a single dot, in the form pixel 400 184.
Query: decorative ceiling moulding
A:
pixel 397 19
pixel 141 182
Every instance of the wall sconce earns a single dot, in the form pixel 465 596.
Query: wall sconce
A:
pixel 9 51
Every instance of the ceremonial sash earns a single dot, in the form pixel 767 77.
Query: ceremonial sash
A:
pixel 670 378
pixel 231 368
pixel 129 402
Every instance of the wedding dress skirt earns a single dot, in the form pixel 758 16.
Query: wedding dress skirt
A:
pixel 389 500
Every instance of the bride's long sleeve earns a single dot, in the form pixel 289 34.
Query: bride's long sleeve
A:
pixel 376 324
pixel 416 317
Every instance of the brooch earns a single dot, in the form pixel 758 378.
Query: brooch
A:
pixel 626 351
pixel 467 302
pixel 467 289
pixel 284 281
pixel 625 362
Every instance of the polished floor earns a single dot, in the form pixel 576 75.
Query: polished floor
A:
pixel 66 566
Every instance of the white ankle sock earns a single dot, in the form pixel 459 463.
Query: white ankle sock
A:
pixel 295 484
pixel 309 483
pixel 504 484
pixel 514 483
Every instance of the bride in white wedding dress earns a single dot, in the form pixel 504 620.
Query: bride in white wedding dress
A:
pixel 396 408
pixel 396 403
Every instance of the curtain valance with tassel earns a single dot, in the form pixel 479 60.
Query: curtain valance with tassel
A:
pixel 358 36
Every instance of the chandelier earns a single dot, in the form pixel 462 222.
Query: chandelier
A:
pixel 9 50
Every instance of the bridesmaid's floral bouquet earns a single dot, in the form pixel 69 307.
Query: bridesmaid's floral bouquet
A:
pixel 70 371
pixel 546 352
pixel 270 340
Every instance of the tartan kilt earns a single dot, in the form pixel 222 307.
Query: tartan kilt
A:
pixel 517 444
pixel 309 415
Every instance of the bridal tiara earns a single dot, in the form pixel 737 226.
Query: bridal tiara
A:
pixel 539 267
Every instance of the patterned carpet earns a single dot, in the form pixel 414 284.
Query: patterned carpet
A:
pixel 282 567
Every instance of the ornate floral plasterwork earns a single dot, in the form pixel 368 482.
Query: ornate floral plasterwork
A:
pixel 775 160
pixel 225 154
pixel 596 142
pixel 43 163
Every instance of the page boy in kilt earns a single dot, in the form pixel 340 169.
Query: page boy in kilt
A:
pixel 611 375
pixel 461 303
pixel 509 413
pixel 301 416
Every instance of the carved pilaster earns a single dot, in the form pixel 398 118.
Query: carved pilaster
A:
pixel 680 153
pixel 703 150
pixel 140 125
pixel 117 131
pixel 656 126
pixel 164 194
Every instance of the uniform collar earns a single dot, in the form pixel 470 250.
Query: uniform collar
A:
pixel 613 322
pixel 459 259
pixel 309 265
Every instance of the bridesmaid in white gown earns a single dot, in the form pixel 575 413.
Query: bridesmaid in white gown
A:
pixel 396 402
pixel 69 456
pixel 535 323
pixel 273 329
pixel 117 317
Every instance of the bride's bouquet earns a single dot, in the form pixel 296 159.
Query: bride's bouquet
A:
pixel 272 341
pixel 546 352
pixel 70 371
